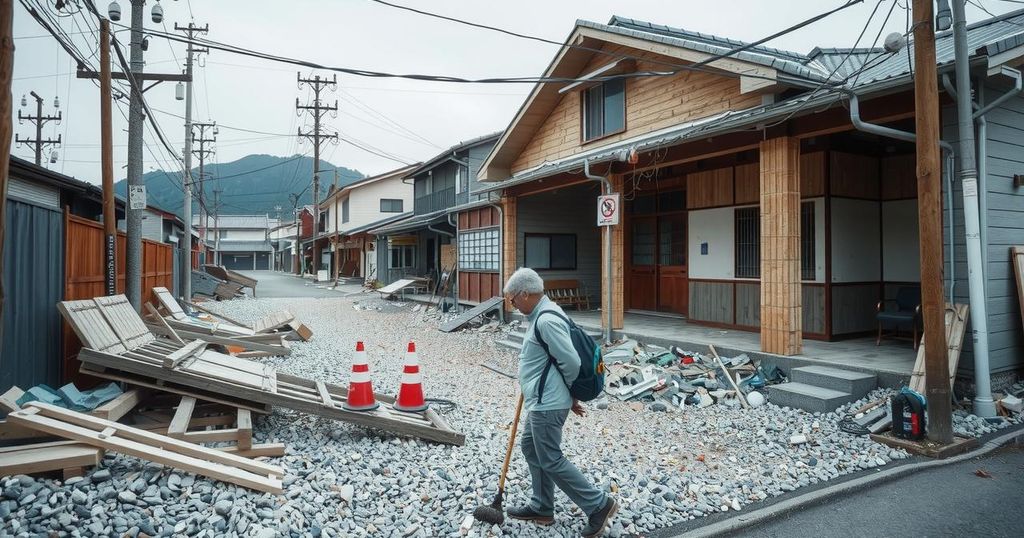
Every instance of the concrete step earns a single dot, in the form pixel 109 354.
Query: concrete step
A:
pixel 510 344
pixel 859 384
pixel 808 397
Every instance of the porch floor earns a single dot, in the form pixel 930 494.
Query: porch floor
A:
pixel 893 356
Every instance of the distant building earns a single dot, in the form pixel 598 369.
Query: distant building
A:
pixel 240 242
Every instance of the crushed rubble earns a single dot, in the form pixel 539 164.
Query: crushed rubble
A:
pixel 674 452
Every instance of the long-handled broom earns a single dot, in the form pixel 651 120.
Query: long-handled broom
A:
pixel 494 514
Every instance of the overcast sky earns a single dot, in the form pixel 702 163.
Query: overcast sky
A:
pixel 242 92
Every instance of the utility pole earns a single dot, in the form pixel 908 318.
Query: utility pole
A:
pixel 984 406
pixel 186 211
pixel 216 226
pixel 317 110
pixel 337 231
pixel 929 214
pixel 202 153
pixel 39 119
pixel 107 163
pixel 6 126
pixel 136 187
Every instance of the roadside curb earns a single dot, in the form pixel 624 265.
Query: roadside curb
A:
pixel 852 486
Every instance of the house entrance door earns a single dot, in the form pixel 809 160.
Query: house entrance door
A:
pixel 658 277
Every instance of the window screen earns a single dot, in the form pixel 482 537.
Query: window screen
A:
pixel 390 205
pixel 748 242
pixel 808 261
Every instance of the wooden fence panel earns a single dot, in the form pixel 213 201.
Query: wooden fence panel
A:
pixel 83 276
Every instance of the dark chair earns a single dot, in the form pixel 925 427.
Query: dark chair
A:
pixel 906 315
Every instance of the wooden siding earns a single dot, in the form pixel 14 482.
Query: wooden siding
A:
pixel 711 188
pixel 652 103
pixel 853 308
pixel 748 304
pixel 477 287
pixel 1005 220
pixel 748 184
pixel 618 250
pixel 853 176
pixel 812 174
pixel 899 177
pixel 711 301
pixel 478 218
pixel 813 309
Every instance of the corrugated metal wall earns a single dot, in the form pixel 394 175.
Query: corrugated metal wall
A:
pixel 33 276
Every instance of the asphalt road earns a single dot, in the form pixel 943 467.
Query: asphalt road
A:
pixel 273 284
pixel 948 501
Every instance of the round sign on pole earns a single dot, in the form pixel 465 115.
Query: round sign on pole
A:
pixel 608 210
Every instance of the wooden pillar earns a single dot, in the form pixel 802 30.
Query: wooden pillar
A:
pixel 509 214
pixel 618 261
pixel 6 128
pixel 781 321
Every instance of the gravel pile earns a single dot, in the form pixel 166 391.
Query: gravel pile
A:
pixel 342 480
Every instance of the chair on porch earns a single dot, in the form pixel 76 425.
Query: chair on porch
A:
pixel 906 315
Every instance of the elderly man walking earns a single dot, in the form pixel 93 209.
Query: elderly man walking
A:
pixel 548 405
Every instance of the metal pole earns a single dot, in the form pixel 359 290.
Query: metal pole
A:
pixel 608 279
pixel 186 210
pixel 107 163
pixel 133 245
pixel 983 404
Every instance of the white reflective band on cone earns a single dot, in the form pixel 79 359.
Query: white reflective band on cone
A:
pixel 360 377
pixel 412 379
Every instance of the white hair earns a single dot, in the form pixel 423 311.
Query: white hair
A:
pixel 524 280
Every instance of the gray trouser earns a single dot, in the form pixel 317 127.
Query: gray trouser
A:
pixel 541 443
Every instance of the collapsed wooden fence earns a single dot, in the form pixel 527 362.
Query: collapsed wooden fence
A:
pixel 84 269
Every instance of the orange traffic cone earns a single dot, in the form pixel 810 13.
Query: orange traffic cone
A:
pixel 360 390
pixel 410 394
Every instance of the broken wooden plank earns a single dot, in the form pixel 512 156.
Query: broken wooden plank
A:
pixel 467 316
pixel 160 319
pixel 325 397
pixel 120 406
pixel 191 349
pixel 1017 259
pixel 107 432
pixel 9 399
pixel 182 417
pixel 152 447
pixel 255 344
pixel 956 325
pixel 44 457
pixel 397 285
pixel 244 425
pixel 272 450
pixel 211 436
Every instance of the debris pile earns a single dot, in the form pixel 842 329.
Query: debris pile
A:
pixel 672 378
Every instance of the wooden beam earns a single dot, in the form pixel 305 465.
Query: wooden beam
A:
pixel 191 349
pixel 325 396
pixel 44 457
pixel 9 399
pixel 182 417
pixel 929 208
pixel 160 319
pixel 6 128
pixel 120 406
pixel 244 425
pixel 141 77
pixel 153 447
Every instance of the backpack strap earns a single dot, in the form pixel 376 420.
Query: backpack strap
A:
pixel 543 344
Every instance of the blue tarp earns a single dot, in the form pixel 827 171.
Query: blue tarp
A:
pixel 70 397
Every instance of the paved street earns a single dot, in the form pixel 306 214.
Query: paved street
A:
pixel 281 285
pixel 949 501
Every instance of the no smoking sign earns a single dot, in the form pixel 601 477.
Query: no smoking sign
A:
pixel 608 210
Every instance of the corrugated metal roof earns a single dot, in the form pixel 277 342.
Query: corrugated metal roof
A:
pixel 415 223
pixel 444 155
pixel 382 222
pixel 245 246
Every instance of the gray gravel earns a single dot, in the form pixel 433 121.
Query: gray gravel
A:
pixel 664 466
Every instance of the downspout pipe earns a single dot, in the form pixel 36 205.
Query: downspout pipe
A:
pixel 501 256
pixel 984 406
pixel 607 254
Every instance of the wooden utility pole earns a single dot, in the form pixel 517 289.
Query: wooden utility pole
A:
pixel 6 127
pixel 39 119
pixel 929 214
pixel 107 163
pixel 202 153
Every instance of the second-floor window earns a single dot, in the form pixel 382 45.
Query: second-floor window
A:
pixel 344 210
pixel 604 109
pixel 390 205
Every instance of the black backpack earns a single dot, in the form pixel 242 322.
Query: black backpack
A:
pixel 589 384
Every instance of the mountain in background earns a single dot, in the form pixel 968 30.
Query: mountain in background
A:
pixel 252 185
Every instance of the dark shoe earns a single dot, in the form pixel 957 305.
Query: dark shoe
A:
pixel 598 521
pixel 527 514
